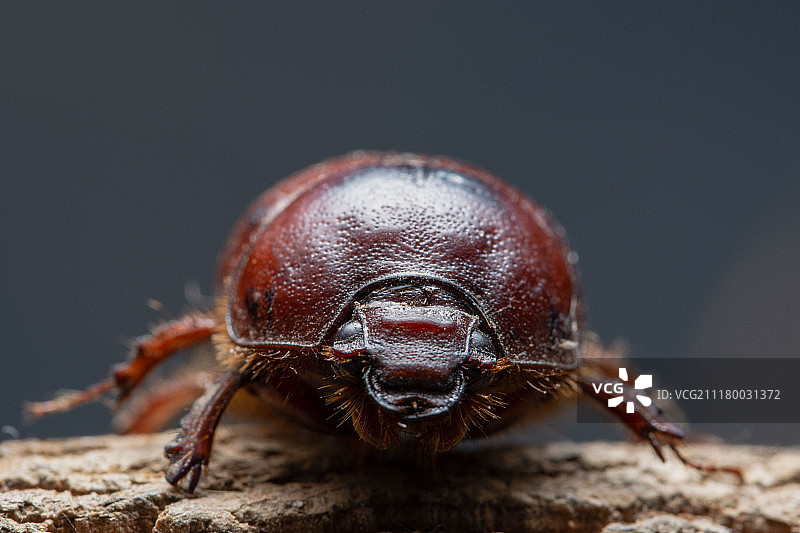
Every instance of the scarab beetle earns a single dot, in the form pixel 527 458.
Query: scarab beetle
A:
pixel 405 298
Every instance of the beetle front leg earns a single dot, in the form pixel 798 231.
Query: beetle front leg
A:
pixel 149 351
pixel 647 421
pixel 191 449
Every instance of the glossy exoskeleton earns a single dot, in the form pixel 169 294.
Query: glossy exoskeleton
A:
pixel 405 298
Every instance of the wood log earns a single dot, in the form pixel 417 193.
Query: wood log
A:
pixel 258 481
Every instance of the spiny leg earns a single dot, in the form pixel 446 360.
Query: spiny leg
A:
pixel 165 340
pixel 647 421
pixel 191 449
pixel 149 351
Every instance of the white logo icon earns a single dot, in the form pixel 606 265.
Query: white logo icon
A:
pixel 645 381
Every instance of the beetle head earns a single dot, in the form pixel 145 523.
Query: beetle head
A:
pixel 415 361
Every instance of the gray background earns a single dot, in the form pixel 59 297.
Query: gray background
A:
pixel 665 138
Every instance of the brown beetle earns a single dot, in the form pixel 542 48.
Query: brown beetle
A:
pixel 417 299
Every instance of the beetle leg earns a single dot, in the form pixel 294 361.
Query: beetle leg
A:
pixel 150 350
pixel 165 340
pixel 707 468
pixel 162 403
pixel 648 422
pixel 191 449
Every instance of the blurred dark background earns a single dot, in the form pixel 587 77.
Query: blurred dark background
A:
pixel 664 137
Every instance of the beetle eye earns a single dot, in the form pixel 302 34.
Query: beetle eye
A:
pixel 481 342
pixel 482 352
pixel 349 340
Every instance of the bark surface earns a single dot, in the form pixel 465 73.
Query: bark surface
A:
pixel 259 483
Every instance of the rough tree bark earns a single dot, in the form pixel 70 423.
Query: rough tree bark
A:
pixel 259 483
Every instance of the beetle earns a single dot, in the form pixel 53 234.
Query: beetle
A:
pixel 407 299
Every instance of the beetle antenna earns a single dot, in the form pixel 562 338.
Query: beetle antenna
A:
pixel 65 402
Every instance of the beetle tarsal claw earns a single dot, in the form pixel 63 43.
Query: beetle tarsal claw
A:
pixel 192 461
pixel 656 446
